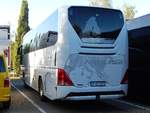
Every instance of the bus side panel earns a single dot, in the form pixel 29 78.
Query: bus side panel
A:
pixel 46 70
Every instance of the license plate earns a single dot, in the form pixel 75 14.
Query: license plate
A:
pixel 97 83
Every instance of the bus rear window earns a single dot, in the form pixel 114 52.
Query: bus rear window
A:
pixel 2 66
pixel 96 23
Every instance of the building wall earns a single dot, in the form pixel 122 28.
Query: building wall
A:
pixel 5 42
pixel 139 22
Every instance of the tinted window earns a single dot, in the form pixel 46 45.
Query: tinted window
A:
pixel 47 39
pixel 52 38
pixel 44 36
pixel 2 66
pixel 26 43
pixel 43 41
pixel 96 22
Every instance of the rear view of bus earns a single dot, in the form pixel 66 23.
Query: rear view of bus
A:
pixel 92 56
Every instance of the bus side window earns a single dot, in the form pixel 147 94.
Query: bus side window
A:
pixel 38 41
pixel 31 46
pixel 42 41
pixel 52 38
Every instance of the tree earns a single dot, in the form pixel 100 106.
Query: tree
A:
pixel 102 3
pixel 23 28
pixel 129 11
pixel 13 55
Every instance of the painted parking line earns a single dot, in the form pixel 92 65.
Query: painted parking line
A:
pixel 116 100
pixel 133 105
pixel 30 100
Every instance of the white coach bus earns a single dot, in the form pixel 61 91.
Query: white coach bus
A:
pixel 79 52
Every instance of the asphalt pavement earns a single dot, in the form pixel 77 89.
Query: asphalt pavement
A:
pixel 26 100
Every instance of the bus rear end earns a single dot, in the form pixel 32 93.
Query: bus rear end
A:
pixel 5 87
pixel 92 57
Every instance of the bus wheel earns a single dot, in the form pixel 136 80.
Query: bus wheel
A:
pixel 41 90
pixel 6 104
pixel 25 85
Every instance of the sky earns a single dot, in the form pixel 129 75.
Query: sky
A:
pixel 41 9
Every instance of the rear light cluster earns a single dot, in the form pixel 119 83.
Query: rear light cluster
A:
pixel 125 79
pixel 6 82
pixel 63 78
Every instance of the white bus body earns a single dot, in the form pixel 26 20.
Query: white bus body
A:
pixel 78 55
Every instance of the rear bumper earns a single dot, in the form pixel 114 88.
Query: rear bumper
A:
pixel 4 94
pixel 81 93
pixel 121 92
pixel 4 98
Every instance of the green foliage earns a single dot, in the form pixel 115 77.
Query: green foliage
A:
pixel 129 11
pixel 101 3
pixel 23 28
pixel 13 51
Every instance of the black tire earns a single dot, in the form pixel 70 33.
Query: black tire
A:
pixel 25 85
pixel 6 104
pixel 41 90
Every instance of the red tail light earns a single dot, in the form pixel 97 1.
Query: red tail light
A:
pixel 63 78
pixel 6 82
pixel 125 79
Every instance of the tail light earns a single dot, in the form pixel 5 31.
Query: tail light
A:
pixel 6 82
pixel 125 79
pixel 63 78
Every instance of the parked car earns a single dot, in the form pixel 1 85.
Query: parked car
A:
pixel 5 87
